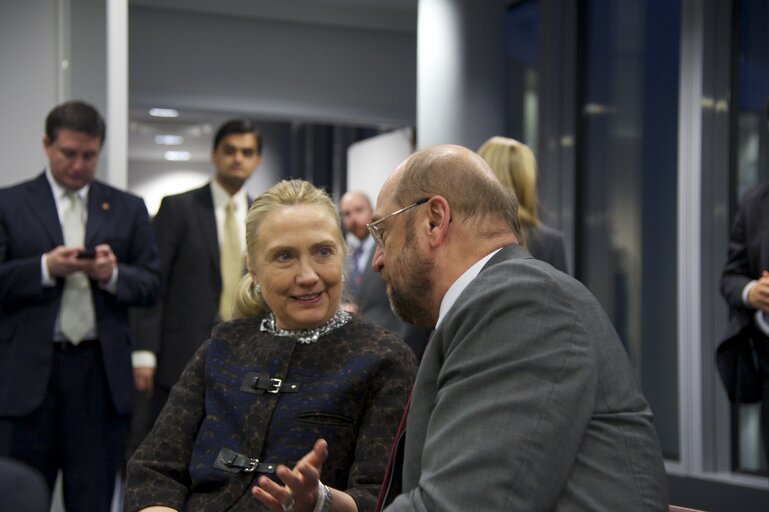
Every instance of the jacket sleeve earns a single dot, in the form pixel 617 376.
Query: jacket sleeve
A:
pixel 737 271
pixel 388 393
pixel 148 322
pixel 157 474
pixel 138 281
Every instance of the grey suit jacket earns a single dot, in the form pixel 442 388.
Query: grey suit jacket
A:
pixel 373 302
pixel 526 400
pixel 546 244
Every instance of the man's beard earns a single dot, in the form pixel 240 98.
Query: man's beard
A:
pixel 411 301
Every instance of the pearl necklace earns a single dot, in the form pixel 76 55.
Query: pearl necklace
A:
pixel 305 336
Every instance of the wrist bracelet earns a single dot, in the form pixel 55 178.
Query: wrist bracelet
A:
pixel 323 503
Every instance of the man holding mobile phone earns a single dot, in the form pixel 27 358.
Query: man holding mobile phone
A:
pixel 65 363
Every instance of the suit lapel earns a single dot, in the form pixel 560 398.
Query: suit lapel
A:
pixel 42 204
pixel 367 276
pixel 206 218
pixel 99 212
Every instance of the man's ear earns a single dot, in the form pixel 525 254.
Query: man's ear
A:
pixel 439 218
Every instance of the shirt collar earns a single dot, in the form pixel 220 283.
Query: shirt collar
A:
pixel 59 191
pixel 221 196
pixel 456 289
pixel 368 243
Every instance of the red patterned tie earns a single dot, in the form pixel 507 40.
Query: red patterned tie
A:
pixel 396 454
pixel 392 481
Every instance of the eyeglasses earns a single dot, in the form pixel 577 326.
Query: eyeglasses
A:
pixel 373 228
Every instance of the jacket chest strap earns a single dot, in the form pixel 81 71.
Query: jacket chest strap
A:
pixel 259 383
pixel 234 462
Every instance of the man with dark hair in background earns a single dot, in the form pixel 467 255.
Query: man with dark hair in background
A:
pixel 201 236
pixel 75 254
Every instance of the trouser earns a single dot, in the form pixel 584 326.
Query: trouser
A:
pixel 762 350
pixel 75 429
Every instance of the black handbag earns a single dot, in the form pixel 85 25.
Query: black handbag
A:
pixel 740 368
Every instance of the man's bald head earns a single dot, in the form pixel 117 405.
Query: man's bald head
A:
pixel 463 178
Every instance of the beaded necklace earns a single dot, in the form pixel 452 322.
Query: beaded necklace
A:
pixel 340 318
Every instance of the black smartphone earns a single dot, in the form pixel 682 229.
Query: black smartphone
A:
pixel 87 254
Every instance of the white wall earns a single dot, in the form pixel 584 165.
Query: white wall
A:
pixel 370 161
pixel 152 180
pixel 28 84
pixel 461 75
pixel 272 68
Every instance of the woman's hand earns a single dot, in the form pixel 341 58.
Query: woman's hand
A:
pixel 301 483
pixel 300 493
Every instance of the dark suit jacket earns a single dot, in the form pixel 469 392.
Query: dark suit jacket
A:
pixel 748 257
pixel 185 228
pixel 525 399
pixel 546 244
pixel 29 227
pixel 373 302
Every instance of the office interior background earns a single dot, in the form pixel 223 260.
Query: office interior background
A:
pixel 647 118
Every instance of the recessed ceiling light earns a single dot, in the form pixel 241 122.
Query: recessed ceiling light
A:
pixel 177 156
pixel 164 112
pixel 169 140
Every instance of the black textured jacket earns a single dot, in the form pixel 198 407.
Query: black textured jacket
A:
pixel 349 388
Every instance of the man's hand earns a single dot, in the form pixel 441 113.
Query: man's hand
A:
pixel 144 380
pixel 101 267
pixel 62 261
pixel 758 296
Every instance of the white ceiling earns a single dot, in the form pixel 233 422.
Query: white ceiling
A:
pixel 398 15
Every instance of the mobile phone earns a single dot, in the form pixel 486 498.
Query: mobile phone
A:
pixel 87 254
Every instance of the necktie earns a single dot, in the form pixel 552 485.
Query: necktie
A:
pixel 231 262
pixel 392 482
pixel 76 316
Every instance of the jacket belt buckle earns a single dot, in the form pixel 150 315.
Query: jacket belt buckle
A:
pixel 276 385
pixel 251 466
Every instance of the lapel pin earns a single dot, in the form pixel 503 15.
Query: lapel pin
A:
pixel 105 206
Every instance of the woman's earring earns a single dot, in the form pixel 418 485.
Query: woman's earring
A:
pixel 343 278
pixel 257 288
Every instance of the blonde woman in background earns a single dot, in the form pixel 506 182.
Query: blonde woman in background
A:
pixel 516 167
